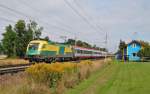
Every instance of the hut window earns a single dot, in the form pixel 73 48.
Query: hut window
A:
pixel 134 54
pixel 133 45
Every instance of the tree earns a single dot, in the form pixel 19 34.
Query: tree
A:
pixel 25 34
pixel 84 44
pixel 103 49
pixel 144 53
pixel 1 48
pixel 9 41
pixel 79 43
pixel 122 47
pixel 22 41
pixel 70 42
pixel 35 29
pixel 46 38
pixel 94 46
pixel 15 40
pixel 144 44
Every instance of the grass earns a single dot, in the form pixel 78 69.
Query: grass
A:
pixel 117 78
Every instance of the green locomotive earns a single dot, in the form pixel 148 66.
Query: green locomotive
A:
pixel 47 51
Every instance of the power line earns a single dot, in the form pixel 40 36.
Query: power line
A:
pixel 7 20
pixel 68 27
pixel 15 11
pixel 39 12
pixel 35 9
pixel 80 15
pixel 88 16
pixel 85 12
pixel 22 14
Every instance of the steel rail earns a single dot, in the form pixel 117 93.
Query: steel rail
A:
pixel 6 69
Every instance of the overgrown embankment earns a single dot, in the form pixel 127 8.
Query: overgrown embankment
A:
pixel 53 78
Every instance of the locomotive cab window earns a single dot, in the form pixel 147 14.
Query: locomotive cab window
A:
pixel 33 46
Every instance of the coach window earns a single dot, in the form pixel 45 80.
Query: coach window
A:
pixel 78 51
pixel 90 52
pixel 81 51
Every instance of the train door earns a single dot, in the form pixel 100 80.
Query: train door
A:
pixel 61 50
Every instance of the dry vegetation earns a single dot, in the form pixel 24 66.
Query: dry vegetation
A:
pixel 12 61
pixel 48 78
pixel 18 84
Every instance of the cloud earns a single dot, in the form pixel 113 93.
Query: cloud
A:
pixel 120 18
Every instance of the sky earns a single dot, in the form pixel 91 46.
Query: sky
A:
pixel 87 20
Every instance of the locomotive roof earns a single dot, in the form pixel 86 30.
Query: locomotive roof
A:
pixel 48 42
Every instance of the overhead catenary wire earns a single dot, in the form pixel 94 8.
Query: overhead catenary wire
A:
pixel 58 20
pixel 81 16
pixel 40 12
pixel 30 17
pixel 35 9
pixel 7 20
pixel 15 11
pixel 97 25
pixel 85 19
pixel 88 16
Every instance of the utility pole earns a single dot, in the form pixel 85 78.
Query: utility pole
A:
pixel 75 40
pixel 106 38
pixel 64 38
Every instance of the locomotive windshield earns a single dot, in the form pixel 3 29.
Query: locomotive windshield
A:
pixel 33 46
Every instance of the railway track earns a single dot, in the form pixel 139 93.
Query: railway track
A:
pixel 13 68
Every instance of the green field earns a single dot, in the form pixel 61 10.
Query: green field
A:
pixel 117 78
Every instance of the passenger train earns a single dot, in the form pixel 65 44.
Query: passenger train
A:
pixel 47 51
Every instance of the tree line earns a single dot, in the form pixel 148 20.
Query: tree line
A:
pixel 16 38
pixel 83 44
pixel 144 53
